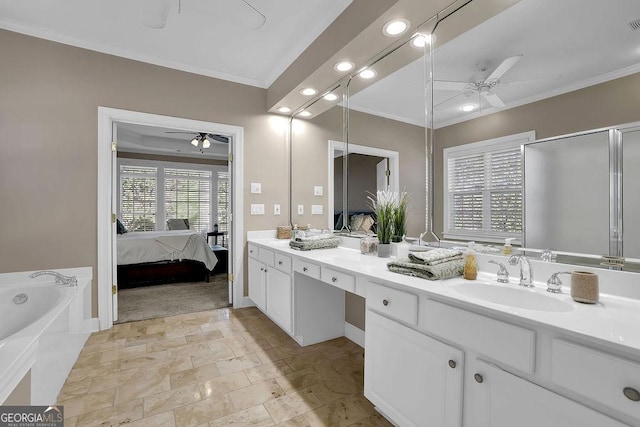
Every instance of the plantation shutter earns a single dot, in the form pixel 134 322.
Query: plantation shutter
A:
pixel 187 194
pixel 224 201
pixel 505 169
pixel 138 187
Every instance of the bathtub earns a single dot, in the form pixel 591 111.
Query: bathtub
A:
pixel 43 327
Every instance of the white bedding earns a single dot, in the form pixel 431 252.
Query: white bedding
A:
pixel 153 246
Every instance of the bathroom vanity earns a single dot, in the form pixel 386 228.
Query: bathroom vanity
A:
pixel 456 352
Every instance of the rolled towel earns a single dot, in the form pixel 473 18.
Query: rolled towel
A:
pixel 443 270
pixel 435 256
pixel 315 244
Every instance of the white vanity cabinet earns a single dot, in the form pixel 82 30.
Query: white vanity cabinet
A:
pixel 257 278
pixel 501 399
pixel 413 379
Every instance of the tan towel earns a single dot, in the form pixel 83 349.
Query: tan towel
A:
pixel 435 256
pixel 442 270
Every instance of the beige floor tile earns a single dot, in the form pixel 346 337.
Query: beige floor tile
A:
pixel 168 400
pixel 223 384
pixel 99 347
pixel 204 336
pixel 291 405
pixel 141 388
pixel 203 411
pixel 206 357
pixel 254 417
pixel 302 361
pixel 299 379
pixel 123 353
pixel 89 402
pixel 166 419
pixel 167 344
pixel 169 366
pixel 185 348
pixel 140 361
pixel 82 373
pixel 240 349
pixel 115 379
pixel 88 359
pixel 144 338
pixel 113 415
pixel 234 364
pixel 255 394
pixel 373 420
pixel 339 413
pixel 70 422
pixel 327 395
pixel 267 371
pixel 74 389
pixel 194 375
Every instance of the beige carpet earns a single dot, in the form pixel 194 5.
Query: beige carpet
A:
pixel 150 302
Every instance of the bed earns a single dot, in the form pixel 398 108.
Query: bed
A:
pixel 155 257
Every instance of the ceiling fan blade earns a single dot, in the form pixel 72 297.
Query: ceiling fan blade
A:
pixel 250 16
pixel 449 85
pixel 154 13
pixel 219 138
pixel 504 67
pixel 493 99
pixel 447 100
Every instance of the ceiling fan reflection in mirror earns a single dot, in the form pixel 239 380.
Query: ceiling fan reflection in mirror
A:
pixel 484 88
pixel 204 139
pixel 154 13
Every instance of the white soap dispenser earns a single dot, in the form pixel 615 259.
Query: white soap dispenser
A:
pixel 507 249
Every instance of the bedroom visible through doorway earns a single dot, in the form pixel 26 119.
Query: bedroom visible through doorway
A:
pixel 172 199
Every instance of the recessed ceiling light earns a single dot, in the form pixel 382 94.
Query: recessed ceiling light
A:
pixel 395 27
pixel 309 91
pixel 284 109
pixel 367 74
pixel 304 113
pixel 421 40
pixel 344 66
pixel 468 107
pixel 331 96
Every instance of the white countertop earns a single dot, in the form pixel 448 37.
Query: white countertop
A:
pixel 614 321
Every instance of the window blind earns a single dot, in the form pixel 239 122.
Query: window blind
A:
pixel 187 194
pixel 138 186
pixel 224 201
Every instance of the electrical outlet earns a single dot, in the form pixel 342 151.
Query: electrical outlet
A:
pixel 256 188
pixel 276 209
pixel 257 209
pixel 316 209
pixel 300 209
pixel 318 190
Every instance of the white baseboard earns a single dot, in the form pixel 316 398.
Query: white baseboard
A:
pixel 92 325
pixel 243 303
pixel 354 334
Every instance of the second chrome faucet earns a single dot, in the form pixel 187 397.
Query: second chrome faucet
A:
pixel 526 273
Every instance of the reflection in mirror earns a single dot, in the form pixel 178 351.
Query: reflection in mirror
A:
pixel 630 192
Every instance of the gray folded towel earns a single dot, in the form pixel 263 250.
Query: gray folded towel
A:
pixel 315 244
pixel 442 270
pixel 323 236
pixel 435 256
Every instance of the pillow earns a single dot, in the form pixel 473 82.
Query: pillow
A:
pixel 120 227
pixel 356 222
pixel 367 223
pixel 178 224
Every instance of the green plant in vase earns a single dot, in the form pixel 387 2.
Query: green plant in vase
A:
pixel 384 206
pixel 400 217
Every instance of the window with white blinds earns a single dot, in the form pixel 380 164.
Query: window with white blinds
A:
pixel 187 194
pixel 138 188
pixel 224 201
pixel 483 189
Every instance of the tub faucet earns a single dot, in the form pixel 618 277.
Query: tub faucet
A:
pixel 60 278
pixel 526 273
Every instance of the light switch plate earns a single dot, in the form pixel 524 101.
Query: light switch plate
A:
pixel 318 190
pixel 276 209
pixel 256 188
pixel 257 209
pixel 300 209
pixel 316 209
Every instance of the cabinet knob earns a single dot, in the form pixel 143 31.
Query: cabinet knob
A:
pixel 631 393
pixel 261 269
pixel 334 279
pixel 385 302
pixel 250 252
pixel 304 268
pixel 452 364
pixel 279 262
pixel 479 378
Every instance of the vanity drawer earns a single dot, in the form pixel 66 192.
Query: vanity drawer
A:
pixel 267 256
pixel 307 268
pixel 393 303
pixel 603 377
pixel 508 344
pixel 338 279
pixel 283 263
pixel 253 250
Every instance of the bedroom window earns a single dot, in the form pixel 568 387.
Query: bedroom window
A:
pixel 224 201
pixel 483 189
pixel 138 188
pixel 187 194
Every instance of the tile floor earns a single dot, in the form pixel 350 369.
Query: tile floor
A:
pixel 216 368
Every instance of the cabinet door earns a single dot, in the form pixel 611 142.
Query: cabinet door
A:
pixel 507 400
pixel 257 278
pixel 278 294
pixel 412 379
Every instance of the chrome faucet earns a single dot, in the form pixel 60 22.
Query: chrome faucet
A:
pixel 503 274
pixel 60 278
pixel 526 273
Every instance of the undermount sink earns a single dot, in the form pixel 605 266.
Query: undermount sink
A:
pixel 511 296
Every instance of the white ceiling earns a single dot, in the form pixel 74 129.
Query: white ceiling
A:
pixel 566 45
pixel 208 37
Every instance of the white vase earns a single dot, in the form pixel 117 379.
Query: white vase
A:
pixel 384 250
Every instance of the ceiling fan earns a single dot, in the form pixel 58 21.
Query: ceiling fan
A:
pixel 204 138
pixel 482 87
pixel 155 13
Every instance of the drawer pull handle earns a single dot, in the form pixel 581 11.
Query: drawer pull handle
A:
pixel 304 269
pixel 385 302
pixel 261 269
pixel 279 262
pixel 631 393
pixel 479 379
pixel 250 252
pixel 452 364
pixel 334 279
